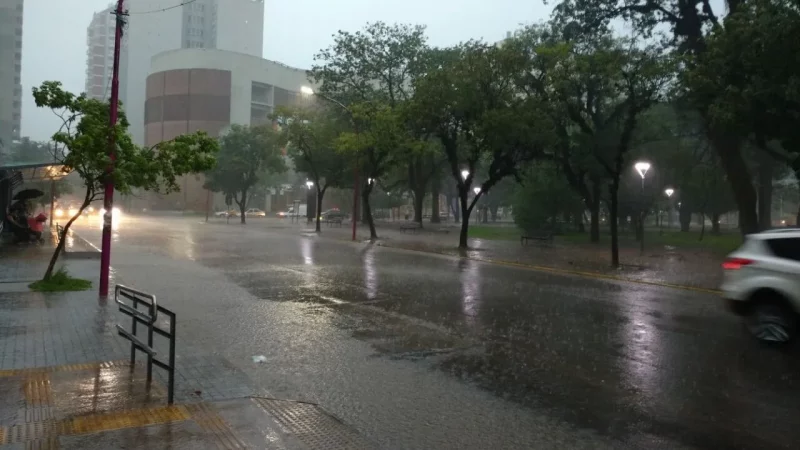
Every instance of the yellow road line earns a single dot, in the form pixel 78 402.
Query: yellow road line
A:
pixel 43 431
pixel 37 391
pixel 123 419
pixel 64 368
pixel 598 275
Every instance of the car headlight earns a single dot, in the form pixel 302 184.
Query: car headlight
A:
pixel 72 212
pixel 59 212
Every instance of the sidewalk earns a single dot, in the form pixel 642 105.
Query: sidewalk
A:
pixel 66 382
pixel 658 265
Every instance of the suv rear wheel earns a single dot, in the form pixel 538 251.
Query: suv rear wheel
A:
pixel 771 322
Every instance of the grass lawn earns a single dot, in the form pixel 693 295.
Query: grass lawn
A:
pixel 500 233
pixel 59 282
pixel 721 243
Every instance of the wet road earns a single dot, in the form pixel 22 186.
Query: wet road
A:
pixel 427 351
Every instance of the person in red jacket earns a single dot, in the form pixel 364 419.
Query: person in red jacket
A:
pixel 36 226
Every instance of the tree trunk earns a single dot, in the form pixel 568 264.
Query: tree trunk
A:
pixel 367 214
pixel 452 203
pixel 613 221
pixel 242 205
pixel 494 210
pixel 435 193
pixel 715 223
pixel 62 238
pixel 419 199
pixel 765 174
pixel 684 217
pixel 465 211
pixel 577 219
pixel 320 194
pixel 730 155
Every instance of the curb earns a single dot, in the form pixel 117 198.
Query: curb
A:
pixel 549 269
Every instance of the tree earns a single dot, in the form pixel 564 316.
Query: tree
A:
pixel 605 85
pixel 542 47
pixel 747 80
pixel 312 136
pixel 371 73
pixel 245 154
pixel 469 102
pixel 542 197
pixel 82 144
pixel 694 25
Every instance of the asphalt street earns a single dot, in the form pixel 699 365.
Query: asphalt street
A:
pixel 427 351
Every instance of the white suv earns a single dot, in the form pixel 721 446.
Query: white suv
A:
pixel 762 283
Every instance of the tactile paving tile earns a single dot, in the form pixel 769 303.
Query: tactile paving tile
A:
pixel 311 425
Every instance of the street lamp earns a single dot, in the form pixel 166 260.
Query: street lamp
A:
pixel 464 174
pixel 669 192
pixel 370 180
pixel 311 202
pixel 642 167
pixel 476 190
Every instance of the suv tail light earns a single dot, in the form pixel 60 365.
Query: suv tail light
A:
pixel 736 263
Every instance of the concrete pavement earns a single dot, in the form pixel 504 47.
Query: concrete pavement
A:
pixel 429 351
pixel 66 380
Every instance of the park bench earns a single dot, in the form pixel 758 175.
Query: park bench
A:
pixel 410 227
pixel 536 235
pixel 334 220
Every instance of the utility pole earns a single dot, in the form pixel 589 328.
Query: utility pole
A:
pixel 108 195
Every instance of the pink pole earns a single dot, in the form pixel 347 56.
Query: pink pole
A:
pixel 108 195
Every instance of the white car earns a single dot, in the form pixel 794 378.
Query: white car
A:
pixel 762 283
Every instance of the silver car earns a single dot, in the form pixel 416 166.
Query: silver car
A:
pixel 762 283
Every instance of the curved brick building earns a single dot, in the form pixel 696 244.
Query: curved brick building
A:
pixel 191 90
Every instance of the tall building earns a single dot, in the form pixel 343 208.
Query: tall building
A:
pixel 100 54
pixel 156 26
pixel 10 70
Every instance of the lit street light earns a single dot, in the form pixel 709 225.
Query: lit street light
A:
pixel 464 174
pixel 311 202
pixel 669 192
pixel 476 190
pixel 642 167
pixel 309 183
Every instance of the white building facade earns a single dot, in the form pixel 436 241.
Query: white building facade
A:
pixel 157 26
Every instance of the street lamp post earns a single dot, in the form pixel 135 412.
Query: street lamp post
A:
pixel 306 90
pixel 669 192
pixel 311 202
pixel 642 167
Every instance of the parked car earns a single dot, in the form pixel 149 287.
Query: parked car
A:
pixel 229 213
pixel 255 212
pixel 762 283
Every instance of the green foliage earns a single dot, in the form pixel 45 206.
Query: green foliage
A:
pixel 469 102
pixel 246 153
pixel 543 196
pixel 82 146
pixel 748 79
pixel 60 281
pixel 312 136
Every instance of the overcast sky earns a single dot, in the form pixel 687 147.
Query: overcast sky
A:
pixel 54 37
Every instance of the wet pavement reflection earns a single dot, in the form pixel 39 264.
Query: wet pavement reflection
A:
pixel 641 365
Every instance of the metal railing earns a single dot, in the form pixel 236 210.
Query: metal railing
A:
pixel 147 317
